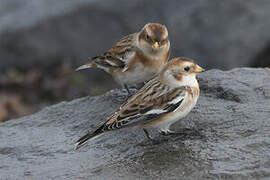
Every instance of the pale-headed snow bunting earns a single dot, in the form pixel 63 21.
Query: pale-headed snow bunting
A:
pixel 167 98
pixel 136 58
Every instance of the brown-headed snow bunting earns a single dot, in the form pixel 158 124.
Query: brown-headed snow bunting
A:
pixel 162 101
pixel 136 58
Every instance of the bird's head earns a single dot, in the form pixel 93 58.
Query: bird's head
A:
pixel 153 39
pixel 179 72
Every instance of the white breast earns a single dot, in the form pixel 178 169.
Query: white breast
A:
pixel 138 75
pixel 183 110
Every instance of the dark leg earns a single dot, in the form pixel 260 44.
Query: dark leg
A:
pixel 126 87
pixel 154 141
pixel 147 134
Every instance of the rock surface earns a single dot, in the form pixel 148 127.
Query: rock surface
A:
pixel 232 116
pixel 217 34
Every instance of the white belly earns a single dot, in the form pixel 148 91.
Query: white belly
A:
pixel 139 75
pixel 182 111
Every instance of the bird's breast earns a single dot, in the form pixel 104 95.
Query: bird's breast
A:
pixel 140 68
pixel 138 74
pixel 187 105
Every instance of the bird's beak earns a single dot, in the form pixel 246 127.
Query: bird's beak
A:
pixel 155 46
pixel 198 69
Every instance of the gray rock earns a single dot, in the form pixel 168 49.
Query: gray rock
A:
pixel 217 34
pixel 232 117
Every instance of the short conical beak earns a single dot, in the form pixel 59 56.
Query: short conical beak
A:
pixel 155 46
pixel 199 69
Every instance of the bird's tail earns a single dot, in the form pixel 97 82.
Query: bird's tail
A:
pixel 86 66
pixel 87 137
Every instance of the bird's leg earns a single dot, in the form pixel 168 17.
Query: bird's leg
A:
pixel 126 87
pixel 154 141
pixel 147 134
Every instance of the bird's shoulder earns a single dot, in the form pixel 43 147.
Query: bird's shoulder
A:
pixel 123 46
pixel 119 54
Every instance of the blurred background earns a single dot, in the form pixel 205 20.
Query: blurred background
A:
pixel 43 41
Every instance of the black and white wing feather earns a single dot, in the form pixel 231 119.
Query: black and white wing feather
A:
pixel 116 57
pixel 154 99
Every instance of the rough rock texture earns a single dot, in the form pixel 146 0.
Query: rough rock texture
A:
pixel 232 116
pixel 217 34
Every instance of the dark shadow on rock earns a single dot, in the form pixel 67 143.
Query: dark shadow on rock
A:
pixel 262 59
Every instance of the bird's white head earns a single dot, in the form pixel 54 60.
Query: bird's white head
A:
pixel 179 72
pixel 153 39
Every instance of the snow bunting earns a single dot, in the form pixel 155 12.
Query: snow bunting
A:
pixel 136 58
pixel 161 102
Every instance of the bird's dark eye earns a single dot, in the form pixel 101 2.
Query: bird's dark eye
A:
pixel 147 37
pixel 187 68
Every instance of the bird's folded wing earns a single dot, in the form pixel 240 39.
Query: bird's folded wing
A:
pixel 118 55
pixel 155 103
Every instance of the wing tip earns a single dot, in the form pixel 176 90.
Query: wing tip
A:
pixel 88 137
pixel 85 66
pixel 78 145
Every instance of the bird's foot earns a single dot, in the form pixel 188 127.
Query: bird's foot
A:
pixel 154 141
pixel 183 132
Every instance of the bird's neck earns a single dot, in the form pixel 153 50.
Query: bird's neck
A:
pixel 189 81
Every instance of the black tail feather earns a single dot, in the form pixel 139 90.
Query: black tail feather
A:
pixel 87 137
